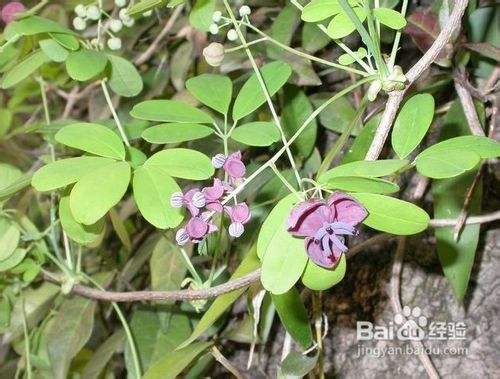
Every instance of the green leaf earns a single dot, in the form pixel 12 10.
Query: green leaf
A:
pixel 156 333
pixel 212 90
pixel 176 133
pixel 144 6
pixel 85 64
pixel 13 259
pixel 319 278
pixel 168 269
pixel 259 133
pixel 70 330
pixel 318 10
pixel 82 234
pixel 338 115
pixel 9 238
pixel 251 96
pixel 363 141
pixel 313 39
pixel 483 146
pixel 347 59
pixel 153 188
pixel 92 138
pixel 370 169
pixel 170 111
pixel 32 25
pixel 53 50
pixel 125 80
pixel 98 191
pixel 341 25
pixel 66 171
pixel 390 18
pixel 201 14
pixel 298 365
pixel 173 363
pixel 283 256
pixel 296 109
pixel 223 302
pixel 67 41
pixel 102 355
pixel 183 163
pixel 391 215
pixel 446 163
pixel 293 316
pixel 24 69
pixel 412 124
pixel 361 184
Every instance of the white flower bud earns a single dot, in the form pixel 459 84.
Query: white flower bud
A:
pixel 214 54
pixel 232 35
pixel 218 160
pixel 128 22
pixel 147 14
pixel 245 11
pixel 120 3
pixel 79 23
pixel 93 12
pixel 94 42
pixel 217 16
pixel 198 200
pixel 123 14
pixel 176 200
pixel 213 29
pixel 114 43
pixel 81 10
pixel 115 25
pixel 182 237
pixel 236 229
pixel 374 89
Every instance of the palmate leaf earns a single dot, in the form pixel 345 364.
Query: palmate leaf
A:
pixel 212 90
pixel 361 184
pixel 124 79
pixel 24 69
pixel 53 50
pixel 169 111
pixel 82 234
pixel 258 133
pixel 183 163
pixel 369 169
pixel 176 133
pixel 390 18
pixel 341 25
pixel 319 278
pixel 440 164
pixel 83 65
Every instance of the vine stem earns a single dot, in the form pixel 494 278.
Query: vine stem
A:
pixel 264 89
pixel 113 112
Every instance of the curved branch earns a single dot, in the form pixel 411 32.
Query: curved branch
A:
pixel 396 97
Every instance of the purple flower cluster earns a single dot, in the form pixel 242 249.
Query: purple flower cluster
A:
pixel 324 224
pixel 201 204
pixel 9 11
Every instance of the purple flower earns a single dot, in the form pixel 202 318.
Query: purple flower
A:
pixel 213 195
pixel 193 199
pixel 239 215
pixel 195 230
pixel 234 167
pixel 10 10
pixel 325 225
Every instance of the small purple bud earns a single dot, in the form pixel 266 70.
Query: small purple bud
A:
pixel 182 237
pixel 218 160
pixel 198 200
pixel 176 200
pixel 236 229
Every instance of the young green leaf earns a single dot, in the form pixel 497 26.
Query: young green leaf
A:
pixel 176 133
pixel 370 169
pixel 347 59
pixel 66 171
pixel 92 138
pixel 53 50
pixel 183 163
pixel 361 184
pixel 391 215
pixel 251 96
pixel 32 25
pixel 201 14
pixel 124 80
pixel 82 234
pixel 259 133
pixel 412 124
pixel 447 163
pixel 483 146
pixel 341 25
pixel 293 316
pixel 13 259
pixel 153 188
pixel 318 10
pixel 9 238
pixel 169 111
pixel 319 278
pixel 212 90
pixel 67 41
pixel 390 18
pixel 98 191
pixel 24 69
pixel 85 64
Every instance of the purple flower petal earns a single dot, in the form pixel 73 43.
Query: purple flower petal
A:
pixel 239 213
pixel 346 209
pixel 315 251
pixel 197 228
pixel 215 192
pixel 234 166
pixel 308 217
pixel 10 10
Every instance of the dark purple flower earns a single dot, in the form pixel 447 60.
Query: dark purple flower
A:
pixel 324 224
pixel 193 199
pixel 10 10
pixel 239 215
pixel 213 195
